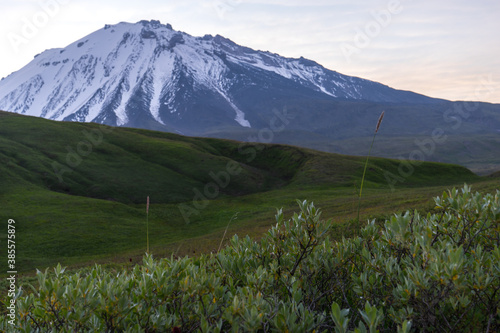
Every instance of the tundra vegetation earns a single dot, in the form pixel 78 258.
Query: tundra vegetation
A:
pixel 434 272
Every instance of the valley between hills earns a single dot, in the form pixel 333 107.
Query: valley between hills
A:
pixel 77 191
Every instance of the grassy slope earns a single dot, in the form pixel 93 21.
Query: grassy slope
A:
pixel 98 211
pixel 479 153
pixel 471 139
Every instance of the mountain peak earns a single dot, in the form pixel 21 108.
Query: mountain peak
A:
pixel 146 74
pixel 154 24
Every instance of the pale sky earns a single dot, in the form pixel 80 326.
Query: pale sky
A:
pixel 448 49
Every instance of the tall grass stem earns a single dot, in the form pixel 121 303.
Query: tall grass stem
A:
pixel 147 225
pixel 366 163
pixel 234 217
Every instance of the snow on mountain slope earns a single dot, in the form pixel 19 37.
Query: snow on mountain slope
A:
pixel 127 74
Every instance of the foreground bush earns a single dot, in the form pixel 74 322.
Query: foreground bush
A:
pixel 434 273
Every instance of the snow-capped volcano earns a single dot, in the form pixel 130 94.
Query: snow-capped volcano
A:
pixel 149 75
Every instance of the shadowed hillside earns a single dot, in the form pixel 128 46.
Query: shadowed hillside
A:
pixel 77 190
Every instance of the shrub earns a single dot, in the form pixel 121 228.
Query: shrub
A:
pixel 433 273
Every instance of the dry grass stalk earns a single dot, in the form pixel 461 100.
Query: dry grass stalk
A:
pixel 147 225
pixel 379 121
pixel 366 163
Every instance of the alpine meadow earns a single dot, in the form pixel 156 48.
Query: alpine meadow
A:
pixel 155 181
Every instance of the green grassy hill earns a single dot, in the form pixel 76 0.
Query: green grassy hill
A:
pixel 479 153
pixel 470 139
pixel 77 191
